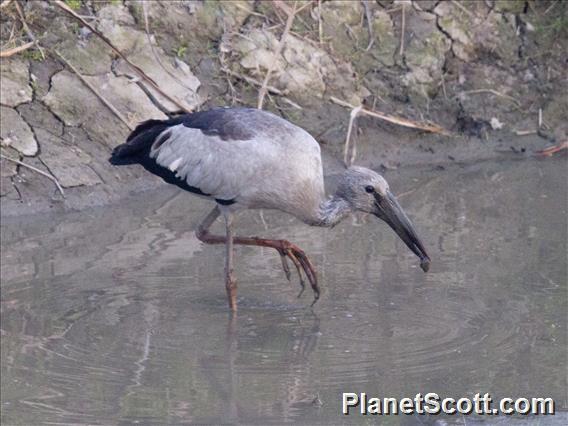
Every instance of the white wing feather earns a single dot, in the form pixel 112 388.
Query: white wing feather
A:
pixel 227 169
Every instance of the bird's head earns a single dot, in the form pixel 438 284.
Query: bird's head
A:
pixel 367 191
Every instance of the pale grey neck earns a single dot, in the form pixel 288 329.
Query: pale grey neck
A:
pixel 331 211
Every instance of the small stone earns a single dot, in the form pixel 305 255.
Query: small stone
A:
pixel 495 123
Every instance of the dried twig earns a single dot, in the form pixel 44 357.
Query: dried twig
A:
pixel 41 172
pixel 135 67
pixel 27 29
pixel 291 14
pixel 494 92
pixel 13 51
pixel 95 91
pixel 548 152
pixel 320 27
pixel 467 12
pixel 427 127
pixel 525 132
pixel 368 16
pixel 403 25
pixel 551 7
pixel 251 80
pixel 250 12
pixel 269 89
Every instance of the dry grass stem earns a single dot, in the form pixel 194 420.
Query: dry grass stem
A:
pixel 27 29
pixel 368 17
pixel 13 51
pixel 270 89
pixel 551 7
pixel 320 27
pixel 291 14
pixel 95 91
pixel 41 172
pixel 403 25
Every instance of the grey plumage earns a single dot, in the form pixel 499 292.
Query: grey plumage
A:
pixel 251 159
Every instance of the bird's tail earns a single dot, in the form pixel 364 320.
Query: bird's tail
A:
pixel 138 143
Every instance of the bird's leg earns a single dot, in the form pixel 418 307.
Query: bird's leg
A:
pixel 283 247
pixel 230 283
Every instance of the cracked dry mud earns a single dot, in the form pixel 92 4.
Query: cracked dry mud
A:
pixel 462 65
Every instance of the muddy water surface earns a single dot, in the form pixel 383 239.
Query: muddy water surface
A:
pixel 118 314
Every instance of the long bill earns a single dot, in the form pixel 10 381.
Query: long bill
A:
pixel 391 212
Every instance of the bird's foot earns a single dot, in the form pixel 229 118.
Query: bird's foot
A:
pixel 284 255
pixel 290 251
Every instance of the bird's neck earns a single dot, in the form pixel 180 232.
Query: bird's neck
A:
pixel 332 211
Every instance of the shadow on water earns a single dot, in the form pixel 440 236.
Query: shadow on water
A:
pixel 118 314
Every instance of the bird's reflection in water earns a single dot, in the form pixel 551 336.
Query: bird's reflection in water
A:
pixel 226 375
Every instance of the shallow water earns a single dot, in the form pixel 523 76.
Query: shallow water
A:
pixel 118 314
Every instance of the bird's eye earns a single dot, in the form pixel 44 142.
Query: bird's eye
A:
pixel 369 189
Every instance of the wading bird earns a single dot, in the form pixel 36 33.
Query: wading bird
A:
pixel 243 158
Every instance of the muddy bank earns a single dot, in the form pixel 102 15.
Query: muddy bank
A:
pixel 485 71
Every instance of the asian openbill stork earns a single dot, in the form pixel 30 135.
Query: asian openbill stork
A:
pixel 244 158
